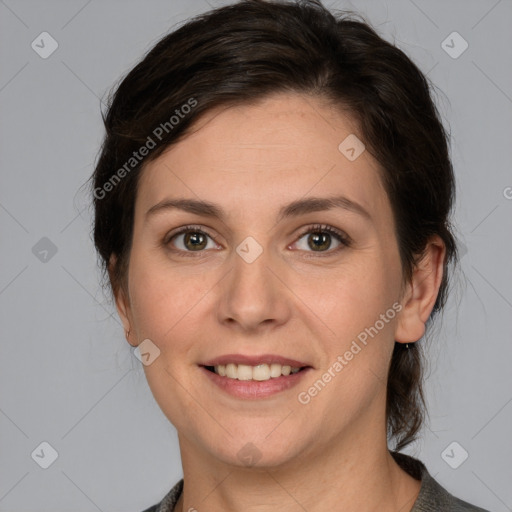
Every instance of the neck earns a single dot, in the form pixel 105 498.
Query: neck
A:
pixel 353 473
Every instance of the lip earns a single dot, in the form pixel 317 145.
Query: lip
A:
pixel 254 360
pixel 252 389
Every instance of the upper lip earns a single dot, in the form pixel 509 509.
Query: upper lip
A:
pixel 254 360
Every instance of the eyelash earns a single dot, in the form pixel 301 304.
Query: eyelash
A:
pixel 344 240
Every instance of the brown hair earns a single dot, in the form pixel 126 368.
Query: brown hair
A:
pixel 243 52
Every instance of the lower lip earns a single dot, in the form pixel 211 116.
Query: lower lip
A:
pixel 254 389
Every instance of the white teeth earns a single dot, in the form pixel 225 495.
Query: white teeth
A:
pixel 231 371
pixel 259 372
pixel 275 370
pixel 244 372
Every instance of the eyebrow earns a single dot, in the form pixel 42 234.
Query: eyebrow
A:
pixel 293 209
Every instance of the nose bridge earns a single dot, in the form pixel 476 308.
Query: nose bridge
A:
pixel 251 273
pixel 252 295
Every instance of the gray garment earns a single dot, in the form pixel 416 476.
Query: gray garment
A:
pixel 432 497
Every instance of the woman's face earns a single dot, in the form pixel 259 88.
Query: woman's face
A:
pixel 263 284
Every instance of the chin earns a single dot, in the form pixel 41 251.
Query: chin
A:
pixel 258 448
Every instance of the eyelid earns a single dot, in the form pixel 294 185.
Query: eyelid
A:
pixel 183 229
pixel 326 228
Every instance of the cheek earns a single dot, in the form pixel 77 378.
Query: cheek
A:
pixel 357 307
pixel 351 297
pixel 163 305
pixel 161 299
pixel 357 355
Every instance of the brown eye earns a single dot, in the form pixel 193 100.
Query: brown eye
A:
pixel 195 241
pixel 190 239
pixel 319 239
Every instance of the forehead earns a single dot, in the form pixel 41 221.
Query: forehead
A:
pixel 257 157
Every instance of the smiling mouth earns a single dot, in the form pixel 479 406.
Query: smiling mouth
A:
pixel 260 372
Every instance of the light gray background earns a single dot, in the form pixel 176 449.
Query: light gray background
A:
pixel 67 375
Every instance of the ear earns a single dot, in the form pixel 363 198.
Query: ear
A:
pixel 421 293
pixel 122 301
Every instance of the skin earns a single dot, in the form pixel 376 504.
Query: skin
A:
pixel 293 300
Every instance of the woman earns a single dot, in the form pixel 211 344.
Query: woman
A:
pixel 272 208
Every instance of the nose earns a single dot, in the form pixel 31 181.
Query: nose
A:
pixel 254 295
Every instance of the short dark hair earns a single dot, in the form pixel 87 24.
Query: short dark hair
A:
pixel 241 53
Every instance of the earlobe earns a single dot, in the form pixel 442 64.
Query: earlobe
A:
pixel 121 300
pixel 421 294
pixel 123 311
